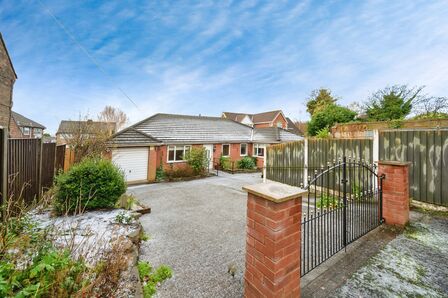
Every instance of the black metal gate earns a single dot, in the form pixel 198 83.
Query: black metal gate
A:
pixel 344 202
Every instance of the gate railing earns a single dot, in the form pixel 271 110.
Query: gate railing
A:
pixel 344 202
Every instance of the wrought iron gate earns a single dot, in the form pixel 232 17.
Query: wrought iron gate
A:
pixel 344 202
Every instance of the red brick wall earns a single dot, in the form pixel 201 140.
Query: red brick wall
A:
pixel 279 118
pixel 14 130
pixel 273 248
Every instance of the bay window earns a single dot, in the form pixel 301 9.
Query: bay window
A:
pixel 177 153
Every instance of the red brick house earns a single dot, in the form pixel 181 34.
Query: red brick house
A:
pixel 163 139
pixel 21 127
pixel 266 119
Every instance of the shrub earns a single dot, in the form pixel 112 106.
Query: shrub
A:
pixel 90 184
pixel 323 133
pixel 247 162
pixel 179 173
pixel 328 201
pixel 225 163
pixel 197 159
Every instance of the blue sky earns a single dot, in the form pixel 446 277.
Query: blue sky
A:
pixel 205 57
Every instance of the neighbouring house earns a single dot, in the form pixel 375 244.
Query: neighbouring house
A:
pixel 69 129
pixel 266 119
pixel 8 77
pixel 163 139
pixel 21 127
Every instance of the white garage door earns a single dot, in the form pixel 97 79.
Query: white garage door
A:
pixel 133 161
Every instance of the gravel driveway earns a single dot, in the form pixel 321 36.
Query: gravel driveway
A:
pixel 197 228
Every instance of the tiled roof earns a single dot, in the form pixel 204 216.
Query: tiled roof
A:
pixel 23 121
pixel 255 118
pixel 292 127
pixel 265 117
pixel 171 128
pixel 133 136
pixel 236 116
pixel 183 129
pixel 89 127
pixel 273 135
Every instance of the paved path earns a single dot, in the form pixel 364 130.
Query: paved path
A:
pixel 197 228
pixel 415 264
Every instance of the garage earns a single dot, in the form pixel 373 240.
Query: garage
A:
pixel 133 162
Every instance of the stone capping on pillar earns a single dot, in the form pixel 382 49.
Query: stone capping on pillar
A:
pixel 395 191
pixel 394 163
pixel 274 218
pixel 274 191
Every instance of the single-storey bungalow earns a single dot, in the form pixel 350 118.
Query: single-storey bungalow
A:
pixel 163 139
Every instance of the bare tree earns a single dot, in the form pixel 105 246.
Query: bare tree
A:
pixel 111 114
pixel 87 138
pixel 431 107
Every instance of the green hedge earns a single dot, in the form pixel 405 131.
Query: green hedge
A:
pixel 90 184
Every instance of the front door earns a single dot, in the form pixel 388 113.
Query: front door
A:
pixel 209 153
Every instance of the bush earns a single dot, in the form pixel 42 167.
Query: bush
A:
pixel 323 133
pixel 225 163
pixel 247 162
pixel 90 184
pixel 197 159
pixel 180 172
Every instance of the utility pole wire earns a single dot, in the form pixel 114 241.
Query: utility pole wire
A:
pixel 92 59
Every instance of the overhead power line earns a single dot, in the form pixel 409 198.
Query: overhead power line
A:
pixel 86 52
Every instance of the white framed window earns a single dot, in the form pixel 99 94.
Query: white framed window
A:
pixel 177 153
pixel 279 124
pixel 259 150
pixel 225 149
pixel 26 131
pixel 243 149
pixel 37 132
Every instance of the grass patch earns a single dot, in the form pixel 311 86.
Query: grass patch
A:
pixel 328 201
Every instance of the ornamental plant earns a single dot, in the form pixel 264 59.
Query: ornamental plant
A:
pixel 91 184
pixel 247 163
pixel 197 159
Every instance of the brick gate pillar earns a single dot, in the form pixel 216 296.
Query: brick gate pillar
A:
pixel 274 213
pixel 395 191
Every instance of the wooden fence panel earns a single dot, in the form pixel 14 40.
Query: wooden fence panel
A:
pixel 286 162
pixel 322 151
pixel 427 151
pixel 60 157
pixel 48 164
pixel 24 168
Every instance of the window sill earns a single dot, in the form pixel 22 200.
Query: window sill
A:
pixel 176 161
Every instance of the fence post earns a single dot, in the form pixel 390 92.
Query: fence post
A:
pixel 376 146
pixel 305 162
pixel 265 157
pixel 395 191
pixel 273 240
